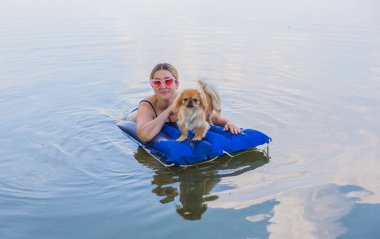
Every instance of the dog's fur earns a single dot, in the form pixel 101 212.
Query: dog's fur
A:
pixel 195 108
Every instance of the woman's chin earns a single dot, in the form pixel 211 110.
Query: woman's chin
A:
pixel 166 95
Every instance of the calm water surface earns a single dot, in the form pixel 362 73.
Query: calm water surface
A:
pixel 307 73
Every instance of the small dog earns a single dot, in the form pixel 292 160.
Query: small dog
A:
pixel 195 108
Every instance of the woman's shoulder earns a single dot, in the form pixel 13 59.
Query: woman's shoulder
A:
pixel 150 99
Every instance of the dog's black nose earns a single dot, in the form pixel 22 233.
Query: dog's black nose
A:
pixel 190 103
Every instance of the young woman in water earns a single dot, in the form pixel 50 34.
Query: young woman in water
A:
pixel 155 110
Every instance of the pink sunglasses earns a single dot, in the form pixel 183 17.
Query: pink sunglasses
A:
pixel 157 83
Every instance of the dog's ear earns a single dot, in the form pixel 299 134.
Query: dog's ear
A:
pixel 177 102
pixel 203 98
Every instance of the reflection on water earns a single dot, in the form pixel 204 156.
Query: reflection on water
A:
pixel 307 73
pixel 316 212
pixel 194 185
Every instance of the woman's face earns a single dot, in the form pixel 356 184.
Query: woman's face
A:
pixel 164 84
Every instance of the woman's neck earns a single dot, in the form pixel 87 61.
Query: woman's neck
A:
pixel 162 104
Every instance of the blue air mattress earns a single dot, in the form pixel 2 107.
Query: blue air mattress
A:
pixel 217 142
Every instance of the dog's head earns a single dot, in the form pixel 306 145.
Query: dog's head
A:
pixel 191 99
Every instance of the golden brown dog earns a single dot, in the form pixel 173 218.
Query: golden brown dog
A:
pixel 195 108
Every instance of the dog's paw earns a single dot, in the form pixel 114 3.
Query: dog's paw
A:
pixel 182 138
pixel 197 138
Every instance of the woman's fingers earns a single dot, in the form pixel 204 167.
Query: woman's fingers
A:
pixel 236 129
pixel 232 127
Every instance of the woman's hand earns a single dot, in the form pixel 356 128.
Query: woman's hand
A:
pixel 232 127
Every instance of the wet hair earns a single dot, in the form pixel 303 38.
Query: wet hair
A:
pixel 164 66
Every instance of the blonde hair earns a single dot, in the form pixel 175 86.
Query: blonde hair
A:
pixel 164 66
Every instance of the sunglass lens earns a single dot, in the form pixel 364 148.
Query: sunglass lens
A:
pixel 169 82
pixel 156 84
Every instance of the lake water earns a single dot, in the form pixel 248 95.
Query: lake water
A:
pixel 307 73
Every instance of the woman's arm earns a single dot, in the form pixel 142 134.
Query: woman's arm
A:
pixel 228 125
pixel 148 126
pixel 133 115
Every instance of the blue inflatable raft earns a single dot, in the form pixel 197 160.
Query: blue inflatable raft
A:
pixel 217 142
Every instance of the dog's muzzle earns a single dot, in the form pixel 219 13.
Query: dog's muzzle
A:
pixel 190 104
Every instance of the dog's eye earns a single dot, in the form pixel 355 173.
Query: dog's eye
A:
pixel 195 100
pixel 185 99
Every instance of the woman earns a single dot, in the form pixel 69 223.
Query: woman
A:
pixel 154 111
